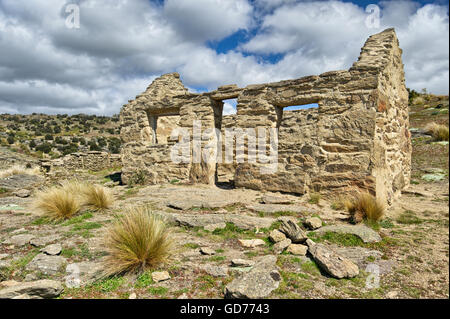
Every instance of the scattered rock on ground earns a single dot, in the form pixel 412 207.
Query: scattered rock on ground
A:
pixel 48 265
pixel 22 193
pixel 313 222
pixel 213 227
pixel 251 243
pixel 257 283
pixel 21 181
pixel 132 296
pixel 52 250
pixel 84 273
pixel 276 236
pixel 42 241
pixel 279 247
pixel 158 276
pixel 19 240
pixel 293 231
pixel 332 263
pixel 215 271
pixel 272 199
pixel 38 289
pixel 242 263
pixel 207 251
pixel 297 249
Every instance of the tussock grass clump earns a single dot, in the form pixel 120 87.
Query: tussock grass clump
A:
pixel 66 200
pixel 74 187
pixel 314 198
pixel 97 196
pixel 364 206
pixel 438 131
pixel 136 241
pixel 92 196
pixel 19 170
pixel 56 203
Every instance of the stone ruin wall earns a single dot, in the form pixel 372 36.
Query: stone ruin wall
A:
pixel 94 161
pixel 357 138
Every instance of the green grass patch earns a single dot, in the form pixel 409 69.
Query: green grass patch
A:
pixel 409 218
pixel 158 291
pixel 217 258
pixel 81 251
pixel 337 238
pixel 206 282
pixel 78 219
pixel 144 280
pixel 86 226
pixel 109 284
pixel 191 245
pixel 278 214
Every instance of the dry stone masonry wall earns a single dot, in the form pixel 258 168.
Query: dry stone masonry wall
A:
pixel 357 138
pixel 94 161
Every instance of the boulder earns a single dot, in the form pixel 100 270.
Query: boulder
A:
pixel 276 236
pixel 279 247
pixel 19 240
pixel 242 263
pixel 22 193
pixel 42 241
pixel 297 249
pixel 251 243
pixel 257 283
pixel 158 276
pixel 42 289
pixel 293 231
pixel 332 263
pixel 313 223
pixel 207 251
pixel 272 199
pixel 215 271
pixel 83 273
pixel 48 265
pixel 52 250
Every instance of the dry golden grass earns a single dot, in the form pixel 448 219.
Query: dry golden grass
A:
pixel 438 131
pixel 341 203
pixel 56 203
pixel 314 198
pixel 364 206
pixel 74 187
pixel 96 196
pixel 18 170
pixel 136 241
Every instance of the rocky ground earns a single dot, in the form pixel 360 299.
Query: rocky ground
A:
pixel 239 243
pixel 214 259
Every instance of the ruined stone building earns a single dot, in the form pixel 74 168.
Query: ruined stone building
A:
pixel 357 138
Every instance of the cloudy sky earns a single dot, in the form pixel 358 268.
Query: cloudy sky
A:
pixel 121 46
